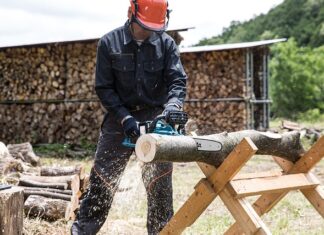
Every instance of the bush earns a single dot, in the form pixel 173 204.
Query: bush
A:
pixel 297 79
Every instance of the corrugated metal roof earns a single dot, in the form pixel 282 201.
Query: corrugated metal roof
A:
pixel 230 46
pixel 64 39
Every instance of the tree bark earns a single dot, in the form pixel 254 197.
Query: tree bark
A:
pixel 63 171
pixel 47 194
pixel 24 152
pixel 154 147
pixel 45 208
pixel 72 181
pixel 32 183
pixel 52 190
pixel 7 163
pixel 11 211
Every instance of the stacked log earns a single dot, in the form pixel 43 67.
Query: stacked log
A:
pixel 55 193
pixel 53 85
pixel 51 123
pixel 216 76
pixel 41 85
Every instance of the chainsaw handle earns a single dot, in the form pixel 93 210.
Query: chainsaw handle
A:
pixel 154 122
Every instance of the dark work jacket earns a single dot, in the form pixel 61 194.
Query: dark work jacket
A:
pixel 129 75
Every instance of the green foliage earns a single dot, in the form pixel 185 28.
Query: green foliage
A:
pixel 297 79
pixel 300 19
pixel 311 115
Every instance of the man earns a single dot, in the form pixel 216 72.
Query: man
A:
pixel 138 76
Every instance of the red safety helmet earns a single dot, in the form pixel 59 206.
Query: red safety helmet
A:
pixel 152 15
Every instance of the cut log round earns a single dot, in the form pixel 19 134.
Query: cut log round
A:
pixel 45 208
pixel 154 147
pixel 11 211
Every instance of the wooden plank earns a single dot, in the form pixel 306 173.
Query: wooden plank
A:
pixel 267 201
pixel 251 187
pixel 254 175
pixel 191 209
pixel 316 198
pixel 217 179
pixel 232 164
pixel 243 213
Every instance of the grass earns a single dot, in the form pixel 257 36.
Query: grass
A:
pixel 293 215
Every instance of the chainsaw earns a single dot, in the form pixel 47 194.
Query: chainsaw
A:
pixel 173 123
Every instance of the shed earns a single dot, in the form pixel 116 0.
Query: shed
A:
pixel 47 89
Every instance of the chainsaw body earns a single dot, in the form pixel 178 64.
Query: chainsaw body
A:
pixel 171 124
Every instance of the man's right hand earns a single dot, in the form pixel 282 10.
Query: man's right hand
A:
pixel 130 127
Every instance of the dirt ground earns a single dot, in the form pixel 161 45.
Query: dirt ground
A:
pixel 293 215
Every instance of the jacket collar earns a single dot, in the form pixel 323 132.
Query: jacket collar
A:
pixel 128 37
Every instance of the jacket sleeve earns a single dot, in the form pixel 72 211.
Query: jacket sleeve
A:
pixel 104 83
pixel 175 76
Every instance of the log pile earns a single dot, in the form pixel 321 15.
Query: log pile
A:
pixel 44 77
pixel 55 193
pixel 47 190
pixel 216 75
pixel 49 79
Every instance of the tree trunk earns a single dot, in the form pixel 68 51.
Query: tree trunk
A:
pixel 32 183
pixel 52 190
pixel 62 171
pixel 11 211
pixel 72 181
pixel 7 163
pixel 45 208
pixel 153 147
pixel 47 194
pixel 24 152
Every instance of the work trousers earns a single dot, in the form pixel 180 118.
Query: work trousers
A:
pixel 110 161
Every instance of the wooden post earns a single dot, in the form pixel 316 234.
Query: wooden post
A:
pixel 11 211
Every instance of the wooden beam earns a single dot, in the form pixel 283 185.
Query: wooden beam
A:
pixel 243 213
pixel 208 189
pixel 263 174
pixel 191 209
pixel 267 201
pixel 316 198
pixel 257 186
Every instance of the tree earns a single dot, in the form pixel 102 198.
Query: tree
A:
pixel 297 79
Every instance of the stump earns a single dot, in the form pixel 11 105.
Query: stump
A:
pixel 11 211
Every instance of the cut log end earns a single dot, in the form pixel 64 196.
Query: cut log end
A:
pixel 146 148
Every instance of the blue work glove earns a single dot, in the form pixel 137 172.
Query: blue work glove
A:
pixel 130 127
pixel 171 107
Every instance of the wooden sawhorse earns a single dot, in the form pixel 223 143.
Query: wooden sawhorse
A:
pixel 232 189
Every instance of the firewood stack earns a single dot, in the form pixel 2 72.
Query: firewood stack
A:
pixel 50 192
pixel 54 86
pixel 216 75
pixel 57 189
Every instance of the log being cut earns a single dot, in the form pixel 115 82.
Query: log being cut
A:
pixel 154 147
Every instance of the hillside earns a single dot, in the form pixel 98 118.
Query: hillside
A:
pixel 301 19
